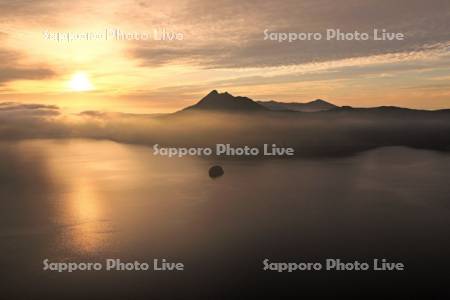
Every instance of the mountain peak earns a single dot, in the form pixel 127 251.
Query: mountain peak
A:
pixel 319 101
pixel 216 101
pixel 213 92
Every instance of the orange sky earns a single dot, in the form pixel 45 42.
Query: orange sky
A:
pixel 221 46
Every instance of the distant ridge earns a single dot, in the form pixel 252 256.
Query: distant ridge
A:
pixel 225 102
pixel 313 106
pixel 216 101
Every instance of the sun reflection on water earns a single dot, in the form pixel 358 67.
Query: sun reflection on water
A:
pixel 83 208
pixel 82 205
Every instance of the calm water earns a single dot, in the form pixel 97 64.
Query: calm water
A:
pixel 84 200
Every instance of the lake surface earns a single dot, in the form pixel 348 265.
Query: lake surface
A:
pixel 87 200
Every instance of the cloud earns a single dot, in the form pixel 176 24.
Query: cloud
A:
pixel 229 34
pixel 11 74
pixel 157 56
pixel 16 8
pixel 21 106
pixel 18 110
pixel 435 59
pixel 11 68
pixel 19 120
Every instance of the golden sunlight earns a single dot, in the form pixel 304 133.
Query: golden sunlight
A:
pixel 80 83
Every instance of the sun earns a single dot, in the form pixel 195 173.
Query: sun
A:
pixel 80 83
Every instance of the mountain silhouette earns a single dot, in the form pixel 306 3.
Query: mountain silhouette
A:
pixel 313 106
pixel 225 102
pixel 216 101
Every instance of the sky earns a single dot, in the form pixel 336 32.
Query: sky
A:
pixel 221 45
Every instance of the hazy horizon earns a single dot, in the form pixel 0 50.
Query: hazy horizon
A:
pixel 5 105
